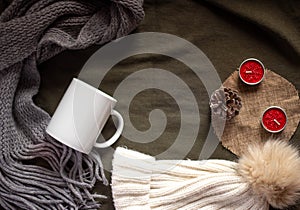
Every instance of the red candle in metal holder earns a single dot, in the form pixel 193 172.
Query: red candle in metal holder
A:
pixel 274 119
pixel 252 71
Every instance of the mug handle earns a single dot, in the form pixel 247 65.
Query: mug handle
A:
pixel 118 133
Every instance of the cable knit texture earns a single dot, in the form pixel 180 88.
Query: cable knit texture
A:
pixel 141 182
pixel 32 31
pixel 267 173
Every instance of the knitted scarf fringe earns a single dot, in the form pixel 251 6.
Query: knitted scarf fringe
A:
pixel 66 186
pixel 36 171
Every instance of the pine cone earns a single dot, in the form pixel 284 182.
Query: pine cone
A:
pixel 226 103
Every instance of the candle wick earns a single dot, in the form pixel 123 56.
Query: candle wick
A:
pixel 278 123
pixel 248 72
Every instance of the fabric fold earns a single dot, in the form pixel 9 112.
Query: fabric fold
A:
pixel 132 178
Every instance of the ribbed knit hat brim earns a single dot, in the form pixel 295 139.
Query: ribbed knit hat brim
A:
pixel 141 182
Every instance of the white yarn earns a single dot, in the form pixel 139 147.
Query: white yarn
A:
pixel 141 182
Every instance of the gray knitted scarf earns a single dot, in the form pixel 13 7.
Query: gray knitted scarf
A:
pixel 32 31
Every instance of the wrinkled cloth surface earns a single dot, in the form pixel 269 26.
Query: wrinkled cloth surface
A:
pixel 37 172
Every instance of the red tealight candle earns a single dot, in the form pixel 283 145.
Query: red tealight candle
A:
pixel 252 71
pixel 274 119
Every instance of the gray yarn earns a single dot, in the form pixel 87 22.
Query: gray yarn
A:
pixel 32 31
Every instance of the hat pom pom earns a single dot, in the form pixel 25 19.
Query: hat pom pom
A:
pixel 272 170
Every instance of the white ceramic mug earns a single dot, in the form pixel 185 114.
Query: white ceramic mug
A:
pixel 81 115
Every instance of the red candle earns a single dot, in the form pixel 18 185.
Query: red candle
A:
pixel 274 119
pixel 252 71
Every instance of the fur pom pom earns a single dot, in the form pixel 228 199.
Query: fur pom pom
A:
pixel 273 171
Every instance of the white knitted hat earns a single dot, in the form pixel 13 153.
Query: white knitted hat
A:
pixel 266 174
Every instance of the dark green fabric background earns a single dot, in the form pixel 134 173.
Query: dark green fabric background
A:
pixel 226 31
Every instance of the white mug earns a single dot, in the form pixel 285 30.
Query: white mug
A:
pixel 81 115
